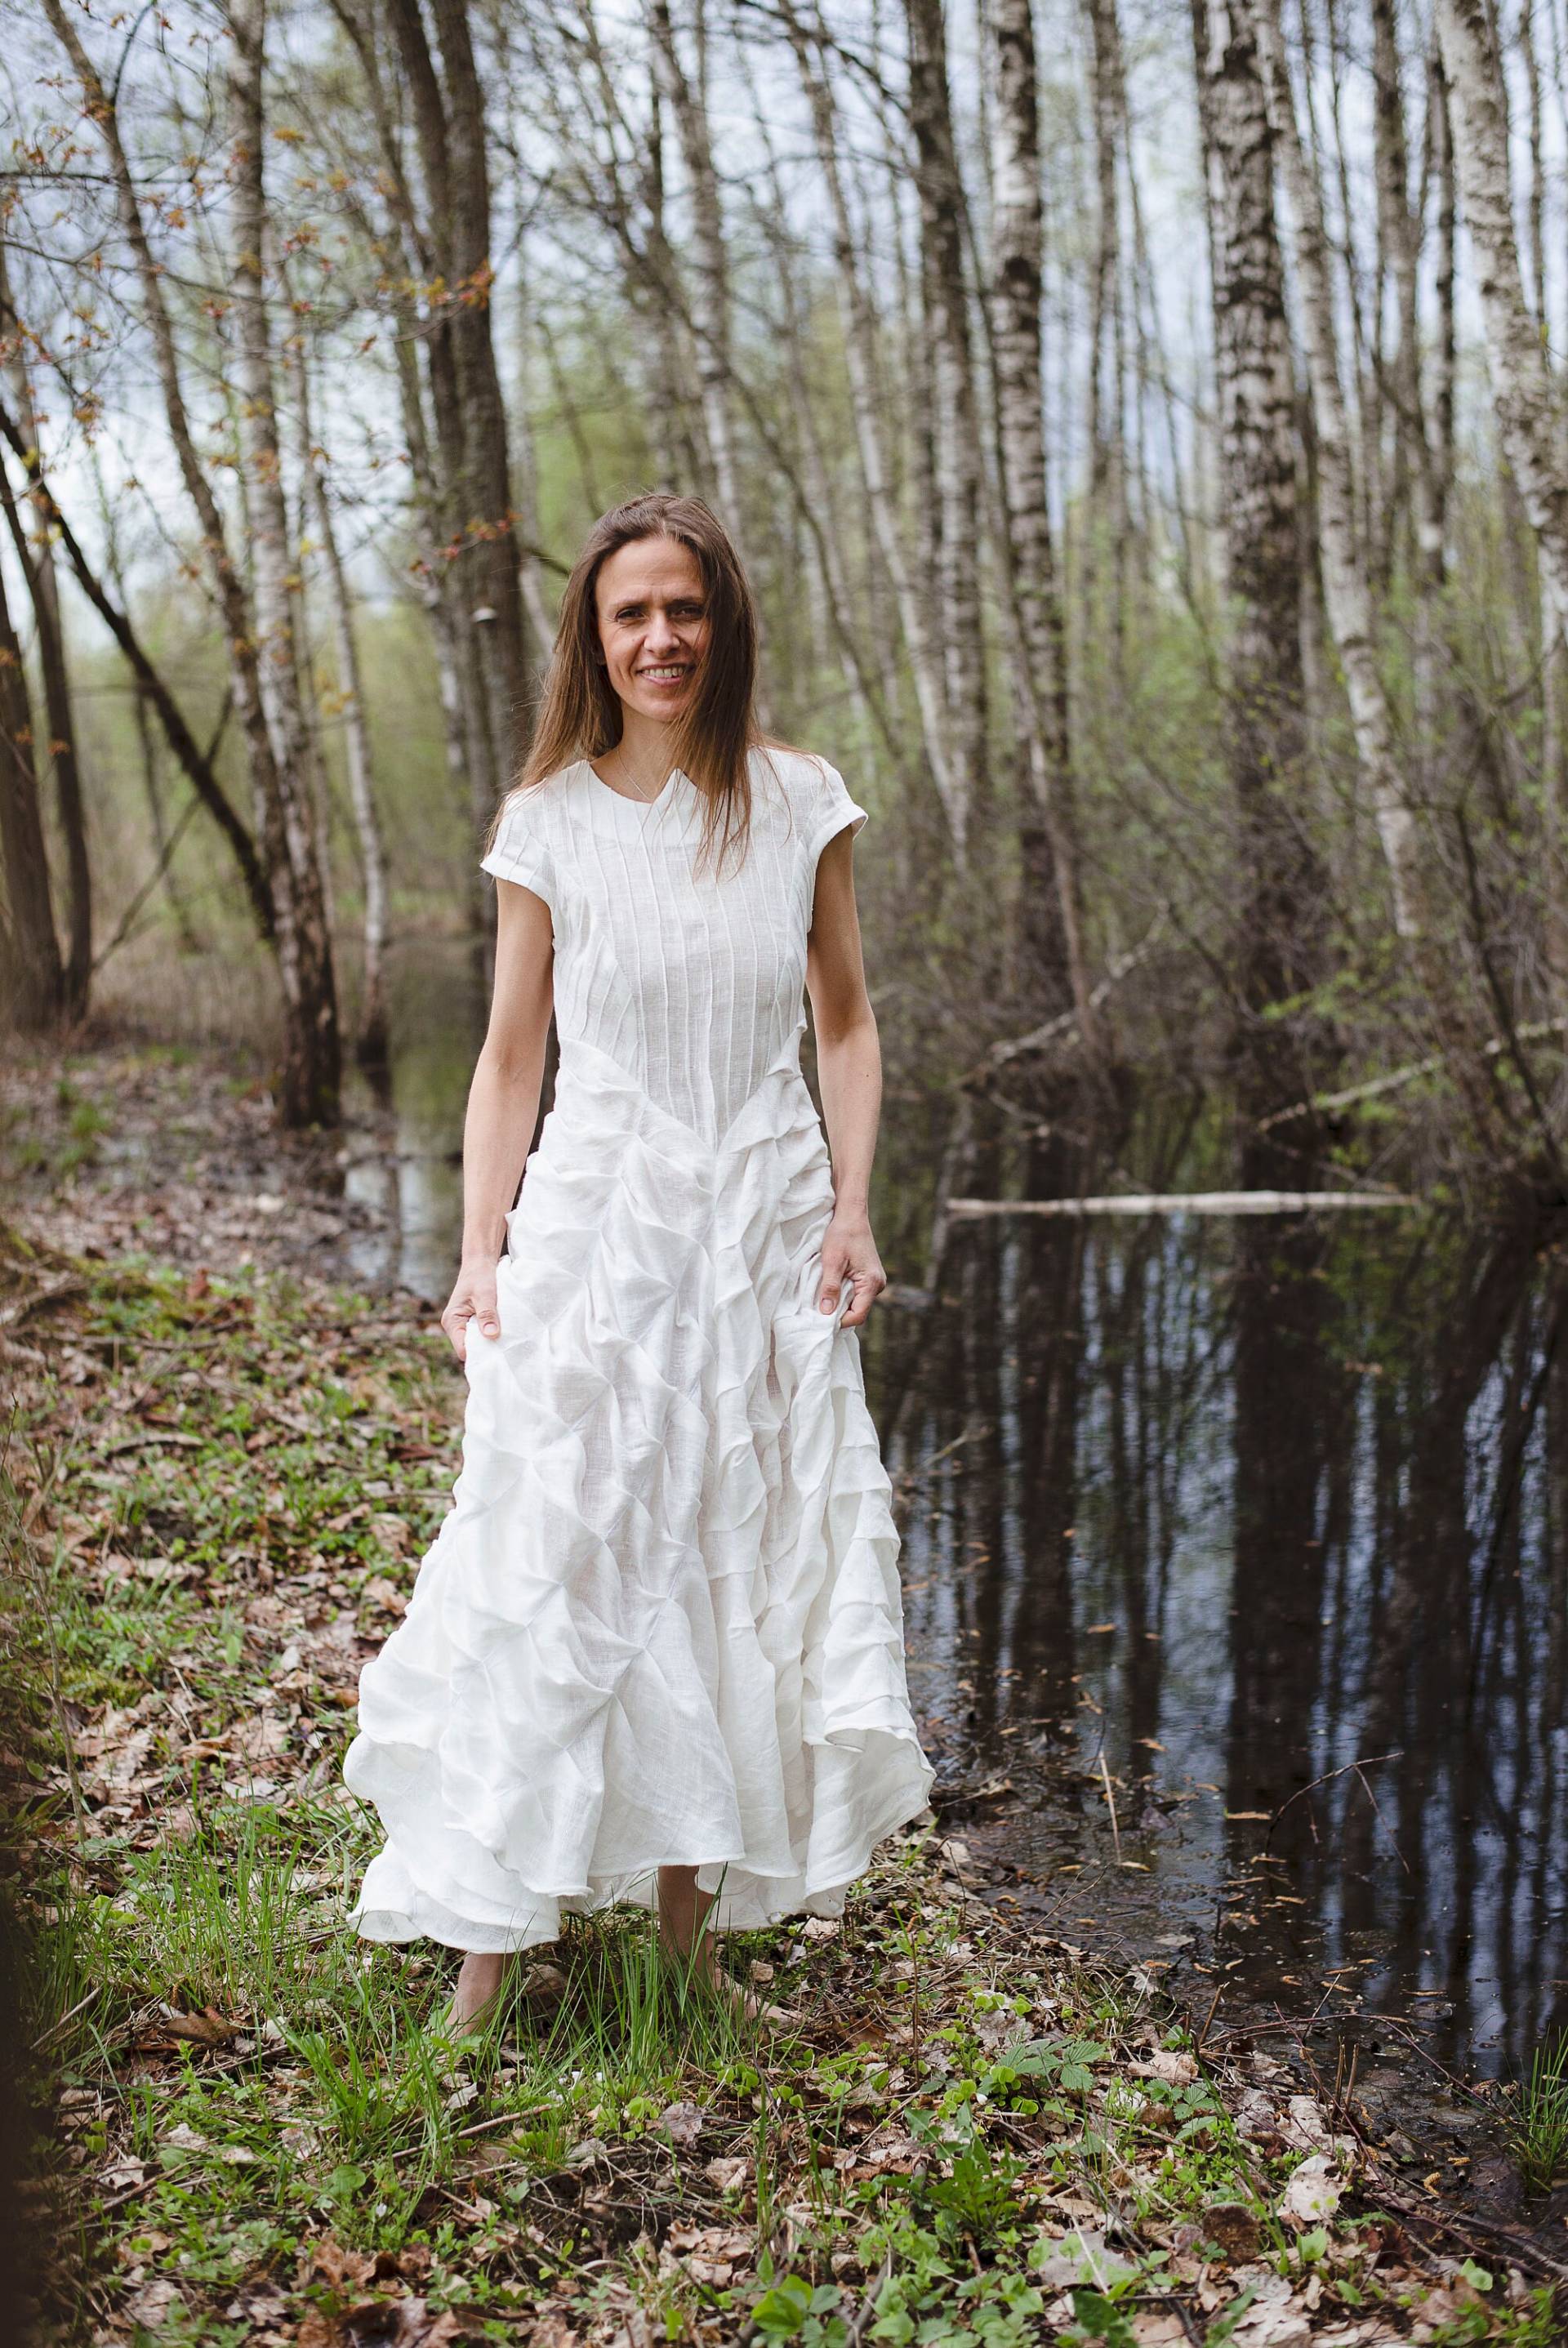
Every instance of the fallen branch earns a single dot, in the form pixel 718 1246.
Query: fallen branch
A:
pixel 1349 1768
pixel 1188 1202
pixel 1324 1104
pixel 1065 1021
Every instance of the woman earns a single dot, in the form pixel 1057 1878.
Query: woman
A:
pixel 655 1651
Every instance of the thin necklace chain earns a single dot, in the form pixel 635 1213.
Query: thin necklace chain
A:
pixel 644 798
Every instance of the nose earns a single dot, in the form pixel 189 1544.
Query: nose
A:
pixel 663 634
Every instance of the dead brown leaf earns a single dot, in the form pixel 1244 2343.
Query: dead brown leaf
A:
pixel 399 2323
pixel 730 2175
pixel 208 2028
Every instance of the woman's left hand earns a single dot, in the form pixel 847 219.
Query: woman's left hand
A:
pixel 850 1252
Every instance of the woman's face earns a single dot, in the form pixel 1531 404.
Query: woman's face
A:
pixel 654 625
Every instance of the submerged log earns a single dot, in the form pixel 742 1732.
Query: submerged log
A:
pixel 1189 1202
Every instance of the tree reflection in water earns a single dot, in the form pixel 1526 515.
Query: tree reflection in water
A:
pixel 1315 1476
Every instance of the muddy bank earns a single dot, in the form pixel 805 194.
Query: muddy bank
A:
pixel 132 1146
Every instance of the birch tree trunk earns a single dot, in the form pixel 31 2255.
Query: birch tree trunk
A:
pixel 60 745
pixel 687 95
pixel 527 469
pixel 827 550
pixel 1399 243
pixel 1052 920
pixel 1280 925
pixel 312 1054
pixel 371 1038
pixel 1536 199
pixel 1522 391
pixel 290 896
pixel 228 585
pixel 1433 429
pixel 860 352
pixel 427 395
pixel 1107 533
pixel 36 557
pixel 34 979
pixel 455 365
pixel 1445 339
pixel 1345 591
pixel 956 419
pixel 488 518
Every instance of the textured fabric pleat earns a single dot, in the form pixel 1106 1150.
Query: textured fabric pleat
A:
pixel 662 1623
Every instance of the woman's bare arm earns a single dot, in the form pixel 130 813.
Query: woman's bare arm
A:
pixel 503 1103
pixel 849 1068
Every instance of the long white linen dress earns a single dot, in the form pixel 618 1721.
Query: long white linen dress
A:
pixel 662 1623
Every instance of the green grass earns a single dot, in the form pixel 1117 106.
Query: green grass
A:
pixel 1541 2124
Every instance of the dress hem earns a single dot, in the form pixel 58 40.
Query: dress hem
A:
pixel 426 1917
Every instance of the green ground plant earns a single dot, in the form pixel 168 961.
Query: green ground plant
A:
pixel 1541 2122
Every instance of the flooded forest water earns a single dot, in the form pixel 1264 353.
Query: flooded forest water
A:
pixel 1234 1560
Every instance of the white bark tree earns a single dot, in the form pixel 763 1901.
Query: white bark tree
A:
pixel 1346 593
pixel 1525 398
pixel 351 712
pixel 1052 923
pixel 1527 410
pixel 686 93
pixel 297 930
pixel 304 943
pixel 955 423
pixel 1280 939
pixel 860 332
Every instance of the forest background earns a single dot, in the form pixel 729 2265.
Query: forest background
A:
pixel 1144 428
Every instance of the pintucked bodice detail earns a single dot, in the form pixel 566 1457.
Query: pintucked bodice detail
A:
pixel 690 978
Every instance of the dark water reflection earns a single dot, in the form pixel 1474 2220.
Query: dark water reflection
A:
pixel 1234 1556
pixel 1255 1532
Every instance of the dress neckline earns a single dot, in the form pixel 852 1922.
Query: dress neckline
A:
pixel 675 774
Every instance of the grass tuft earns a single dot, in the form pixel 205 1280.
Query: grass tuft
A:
pixel 1540 2124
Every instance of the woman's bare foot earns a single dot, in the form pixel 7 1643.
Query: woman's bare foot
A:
pixel 745 2001
pixel 478 1992
pixel 683 1925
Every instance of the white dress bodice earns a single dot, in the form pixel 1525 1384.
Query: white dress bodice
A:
pixel 691 980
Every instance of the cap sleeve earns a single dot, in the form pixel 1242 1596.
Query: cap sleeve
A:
pixel 832 809
pixel 519 853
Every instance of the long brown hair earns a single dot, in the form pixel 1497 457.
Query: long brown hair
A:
pixel 580 713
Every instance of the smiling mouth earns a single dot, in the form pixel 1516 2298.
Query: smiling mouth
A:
pixel 667 673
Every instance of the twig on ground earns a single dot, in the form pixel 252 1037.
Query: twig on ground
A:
pixel 1110 1804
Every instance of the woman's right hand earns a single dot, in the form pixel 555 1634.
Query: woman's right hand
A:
pixel 473 1298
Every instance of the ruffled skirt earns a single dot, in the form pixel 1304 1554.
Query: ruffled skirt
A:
pixel 662 1623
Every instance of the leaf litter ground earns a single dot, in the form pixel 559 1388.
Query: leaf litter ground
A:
pixel 216 1493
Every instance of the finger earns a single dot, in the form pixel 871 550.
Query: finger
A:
pixel 867 1291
